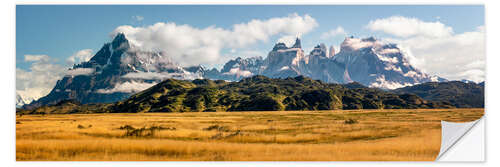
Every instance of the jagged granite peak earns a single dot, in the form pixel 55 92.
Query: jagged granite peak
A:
pixel 322 47
pixel 331 53
pixel 319 50
pixel 120 41
pixel 297 43
pixel 284 62
pixel 110 52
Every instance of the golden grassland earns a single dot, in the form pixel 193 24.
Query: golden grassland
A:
pixel 368 135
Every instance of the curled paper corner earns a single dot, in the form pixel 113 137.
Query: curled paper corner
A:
pixel 451 133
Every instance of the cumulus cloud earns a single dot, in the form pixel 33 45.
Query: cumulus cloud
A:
pixel 435 49
pixel 356 43
pixel 288 40
pixel 238 72
pixel 406 27
pixel 128 87
pixel 380 82
pixel 80 71
pixel 162 75
pixel 80 56
pixel 189 45
pixel 339 31
pixel 36 58
pixel 40 78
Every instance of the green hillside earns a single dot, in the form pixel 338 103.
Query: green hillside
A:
pixel 261 93
pixel 459 94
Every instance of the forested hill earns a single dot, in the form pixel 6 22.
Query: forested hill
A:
pixel 459 94
pixel 260 93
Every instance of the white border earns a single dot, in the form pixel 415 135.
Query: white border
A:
pixel 7 98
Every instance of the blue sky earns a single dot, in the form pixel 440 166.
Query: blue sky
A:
pixel 60 31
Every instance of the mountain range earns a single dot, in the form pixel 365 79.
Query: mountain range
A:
pixel 367 61
pixel 120 69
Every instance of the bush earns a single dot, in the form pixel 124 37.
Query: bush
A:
pixel 217 127
pixel 350 121
pixel 143 132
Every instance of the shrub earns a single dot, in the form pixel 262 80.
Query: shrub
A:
pixel 217 127
pixel 350 121
pixel 143 132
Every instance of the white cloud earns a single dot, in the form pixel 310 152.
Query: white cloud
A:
pixel 389 51
pixel 238 72
pixel 162 75
pixel 382 83
pixel 80 56
pixel 288 40
pixel 189 45
pixel 128 87
pixel 80 71
pixel 406 27
pixel 435 49
pixel 40 78
pixel 149 75
pixel 339 31
pixel 43 73
pixel 357 43
pixel 36 58
pixel 137 18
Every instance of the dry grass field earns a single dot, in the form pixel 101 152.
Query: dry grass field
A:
pixel 407 135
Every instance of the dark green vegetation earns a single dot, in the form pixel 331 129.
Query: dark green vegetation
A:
pixel 260 93
pixel 67 107
pixel 456 93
